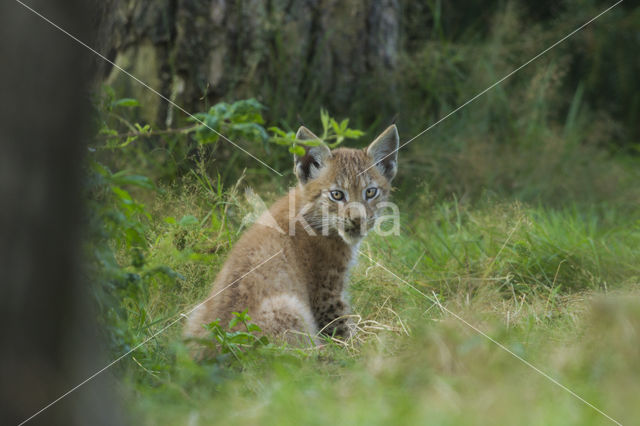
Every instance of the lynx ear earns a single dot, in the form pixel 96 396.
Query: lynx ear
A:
pixel 308 166
pixel 384 150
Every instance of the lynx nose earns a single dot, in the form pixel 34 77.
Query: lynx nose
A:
pixel 355 220
pixel 355 217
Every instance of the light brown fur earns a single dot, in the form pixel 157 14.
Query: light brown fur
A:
pixel 302 290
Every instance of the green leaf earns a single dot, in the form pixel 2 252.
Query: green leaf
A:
pixel 353 134
pixel 134 237
pixel 251 129
pixel 125 102
pixel 142 129
pixel 121 178
pixel 253 328
pixel 297 150
pixel 324 118
pixel 188 220
pixel 335 126
pixel 278 131
pixel 127 142
pixel 122 194
pixel 234 321
pixel 101 169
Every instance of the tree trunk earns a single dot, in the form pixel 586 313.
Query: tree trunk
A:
pixel 297 55
pixel 49 344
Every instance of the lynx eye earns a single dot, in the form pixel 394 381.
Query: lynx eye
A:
pixel 371 193
pixel 336 195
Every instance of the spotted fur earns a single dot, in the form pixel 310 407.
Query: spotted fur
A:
pixel 303 290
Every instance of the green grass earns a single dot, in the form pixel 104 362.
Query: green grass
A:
pixel 557 287
pixel 520 214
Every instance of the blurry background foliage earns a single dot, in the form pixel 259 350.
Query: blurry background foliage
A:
pixel 375 62
pixel 513 209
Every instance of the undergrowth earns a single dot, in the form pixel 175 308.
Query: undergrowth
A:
pixel 531 277
pixel 518 215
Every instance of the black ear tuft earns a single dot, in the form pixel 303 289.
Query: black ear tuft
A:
pixel 308 166
pixel 384 151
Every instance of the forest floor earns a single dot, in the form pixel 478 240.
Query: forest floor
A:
pixel 495 312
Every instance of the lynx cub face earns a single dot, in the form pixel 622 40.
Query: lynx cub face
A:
pixel 341 191
pixel 293 283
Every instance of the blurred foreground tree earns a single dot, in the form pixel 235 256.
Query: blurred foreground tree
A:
pixel 49 344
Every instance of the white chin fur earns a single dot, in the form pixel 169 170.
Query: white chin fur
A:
pixel 349 238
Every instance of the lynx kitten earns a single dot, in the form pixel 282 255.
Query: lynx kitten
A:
pixel 316 230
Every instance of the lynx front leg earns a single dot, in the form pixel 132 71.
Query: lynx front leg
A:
pixel 331 318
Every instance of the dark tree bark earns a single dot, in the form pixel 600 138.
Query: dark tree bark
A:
pixel 49 343
pixel 297 54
